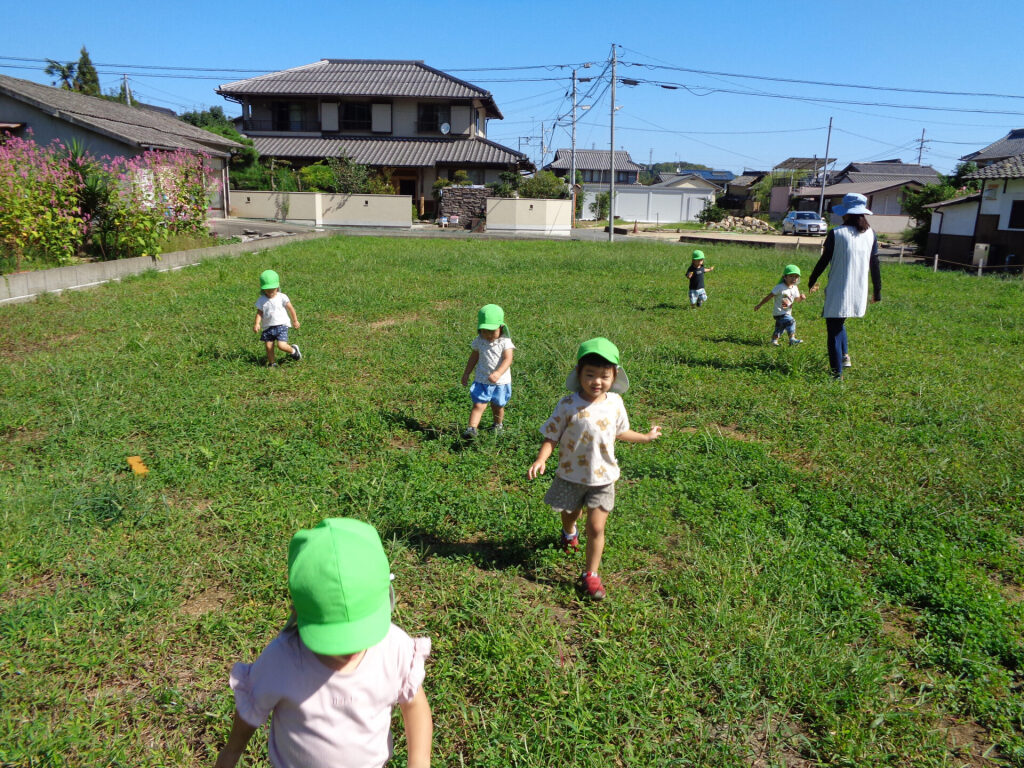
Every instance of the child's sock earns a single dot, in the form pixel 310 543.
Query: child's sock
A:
pixel 568 535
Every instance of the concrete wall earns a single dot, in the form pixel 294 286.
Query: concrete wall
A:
pixel 323 209
pixel 552 217
pixel 1014 190
pixel 955 219
pixel 25 286
pixel 650 204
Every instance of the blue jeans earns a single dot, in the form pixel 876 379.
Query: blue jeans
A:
pixel 837 346
pixel 784 323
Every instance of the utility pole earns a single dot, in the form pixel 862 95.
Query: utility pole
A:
pixel 920 149
pixel 127 89
pixel 572 155
pixel 542 148
pixel 611 164
pixel 824 170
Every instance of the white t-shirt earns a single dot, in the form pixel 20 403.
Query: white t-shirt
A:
pixel 585 433
pixel 783 292
pixel 491 353
pixel 323 718
pixel 274 312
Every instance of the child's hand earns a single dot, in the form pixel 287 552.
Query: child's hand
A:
pixel 654 434
pixel 757 307
pixel 298 324
pixel 786 303
pixel 465 379
pixel 493 378
pixel 537 468
pixel 803 297
pixel 256 328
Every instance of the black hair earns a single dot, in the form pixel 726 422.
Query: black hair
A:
pixel 859 220
pixel 592 358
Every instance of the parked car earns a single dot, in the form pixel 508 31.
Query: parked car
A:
pixel 804 223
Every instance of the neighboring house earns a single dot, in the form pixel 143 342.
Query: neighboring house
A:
pixel 685 181
pixel 402 117
pixel 595 166
pixel 1011 145
pixel 738 192
pixel 951 235
pixel 885 199
pixel 1000 221
pixel 886 170
pixel 719 178
pixel 105 127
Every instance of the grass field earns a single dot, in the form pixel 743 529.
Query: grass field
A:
pixel 800 572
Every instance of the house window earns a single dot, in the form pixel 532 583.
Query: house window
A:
pixel 432 116
pixel 1016 215
pixel 355 116
pixel 623 177
pixel 592 177
pixel 289 116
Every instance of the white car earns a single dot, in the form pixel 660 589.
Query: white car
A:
pixel 804 223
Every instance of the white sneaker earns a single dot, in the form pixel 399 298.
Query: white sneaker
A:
pixel 775 342
pixel 795 341
pixel 846 362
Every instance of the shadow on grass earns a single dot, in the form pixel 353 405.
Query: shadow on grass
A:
pixel 258 359
pixel 735 338
pixel 662 305
pixel 485 554
pixel 763 365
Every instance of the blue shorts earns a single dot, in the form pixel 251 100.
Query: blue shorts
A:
pixel 698 295
pixel 275 333
pixel 495 394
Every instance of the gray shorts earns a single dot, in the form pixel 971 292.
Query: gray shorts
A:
pixel 567 496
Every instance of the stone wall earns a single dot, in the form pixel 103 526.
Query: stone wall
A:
pixel 465 202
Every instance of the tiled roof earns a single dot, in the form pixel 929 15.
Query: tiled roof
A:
pixel 863 178
pixel 361 77
pixel 704 173
pixel 1011 144
pixel 675 178
pixel 394 152
pixel 860 188
pixel 1010 168
pixel 891 167
pixel 744 181
pixel 955 201
pixel 592 160
pixel 143 128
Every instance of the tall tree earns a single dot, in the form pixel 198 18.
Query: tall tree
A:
pixel 86 79
pixel 64 73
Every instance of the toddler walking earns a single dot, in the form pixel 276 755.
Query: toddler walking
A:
pixel 275 313
pixel 584 427
pixel 492 359
pixel 334 673
pixel 785 294
pixel 696 276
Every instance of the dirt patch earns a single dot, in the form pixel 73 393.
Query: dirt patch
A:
pixel 775 742
pixel 32 588
pixel 968 742
pixel 23 436
pixel 388 322
pixel 723 430
pixel 442 305
pixel 207 601
pixel 1014 593
pixel 402 442
pixel 898 624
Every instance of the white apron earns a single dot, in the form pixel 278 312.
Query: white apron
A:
pixel 846 294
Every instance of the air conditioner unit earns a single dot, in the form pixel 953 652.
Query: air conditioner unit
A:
pixel 980 254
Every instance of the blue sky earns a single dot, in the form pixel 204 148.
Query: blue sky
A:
pixel 969 48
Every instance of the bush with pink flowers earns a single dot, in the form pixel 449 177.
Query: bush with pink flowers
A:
pixel 57 202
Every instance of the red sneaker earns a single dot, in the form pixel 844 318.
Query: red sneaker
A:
pixel 591 582
pixel 571 543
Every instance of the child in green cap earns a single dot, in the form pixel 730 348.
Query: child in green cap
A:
pixel 492 359
pixel 785 294
pixel 696 276
pixel 334 673
pixel 275 313
pixel 584 427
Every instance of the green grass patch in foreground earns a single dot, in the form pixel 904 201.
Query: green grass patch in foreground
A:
pixel 800 572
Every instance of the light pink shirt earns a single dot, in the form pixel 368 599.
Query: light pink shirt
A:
pixel 323 718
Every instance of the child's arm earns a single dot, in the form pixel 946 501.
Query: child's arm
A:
pixel 419 729
pixel 506 361
pixel 629 436
pixel 291 314
pixel 689 273
pixel 540 465
pixel 764 301
pixel 709 269
pixel 256 323
pixel 474 357
pixel 241 732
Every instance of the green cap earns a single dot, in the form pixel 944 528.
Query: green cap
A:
pixel 490 317
pixel 605 349
pixel 698 255
pixel 791 269
pixel 269 279
pixel 340 584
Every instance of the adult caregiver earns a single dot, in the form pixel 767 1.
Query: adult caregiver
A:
pixel 850 253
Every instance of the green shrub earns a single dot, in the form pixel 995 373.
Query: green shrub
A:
pixel 544 185
pixel 711 213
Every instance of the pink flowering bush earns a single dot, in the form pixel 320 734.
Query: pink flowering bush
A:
pixel 58 202
pixel 40 218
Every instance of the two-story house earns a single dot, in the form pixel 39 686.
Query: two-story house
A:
pixel 594 166
pixel 413 121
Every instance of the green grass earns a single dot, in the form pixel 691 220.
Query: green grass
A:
pixel 800 572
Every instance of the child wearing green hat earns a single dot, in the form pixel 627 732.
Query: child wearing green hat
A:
pixel 333 675
pixel 492 359
pixel 785 294
pixel 696 276
pixel 275 313
pixel 584 427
